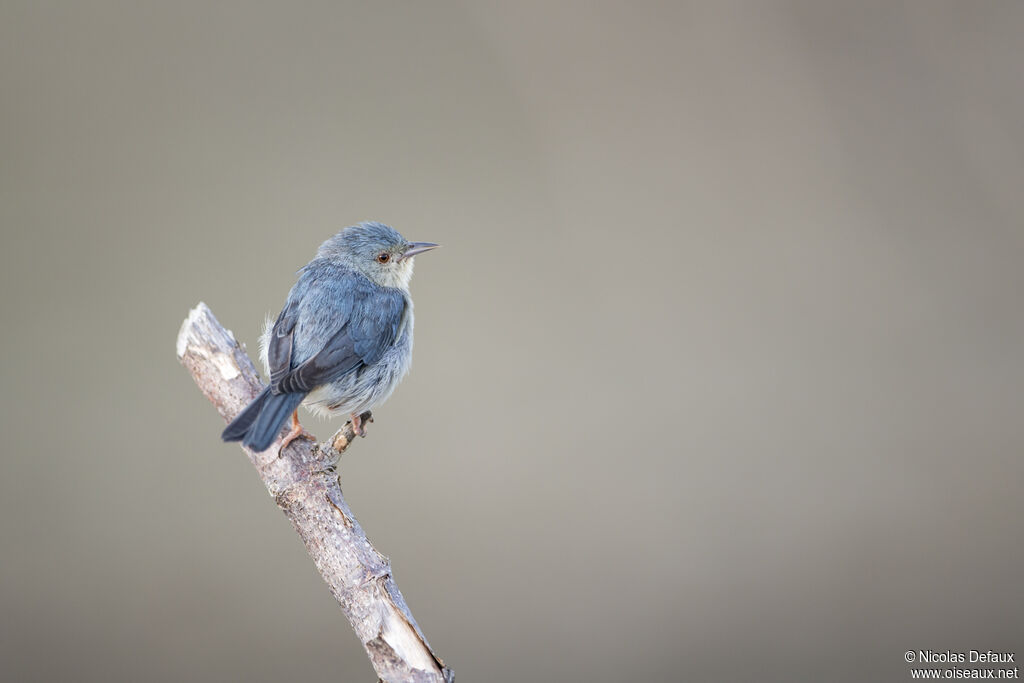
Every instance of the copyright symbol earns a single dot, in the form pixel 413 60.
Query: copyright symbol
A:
pixel 909 656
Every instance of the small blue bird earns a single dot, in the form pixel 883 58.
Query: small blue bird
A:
pixel 343 340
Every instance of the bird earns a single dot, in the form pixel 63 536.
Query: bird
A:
pixel 343 340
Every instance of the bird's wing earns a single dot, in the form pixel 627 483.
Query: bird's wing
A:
pixel 279 345
pixel 357 320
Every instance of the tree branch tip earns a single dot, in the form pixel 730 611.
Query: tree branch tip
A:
pixel 200 310
pixel 181 344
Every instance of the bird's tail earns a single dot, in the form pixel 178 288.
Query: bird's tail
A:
pixel 239 427
pixel 260 422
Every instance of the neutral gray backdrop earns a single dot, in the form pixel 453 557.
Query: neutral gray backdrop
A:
pixel 718 376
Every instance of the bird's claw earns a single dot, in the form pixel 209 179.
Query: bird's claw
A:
pixel 296 432
pixel 359 424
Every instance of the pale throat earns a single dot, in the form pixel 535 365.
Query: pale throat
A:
pixel 398 275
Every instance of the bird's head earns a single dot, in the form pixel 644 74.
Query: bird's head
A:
pixel 377 251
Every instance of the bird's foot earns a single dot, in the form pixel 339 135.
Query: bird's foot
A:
pixel 359 424
pixel 296 432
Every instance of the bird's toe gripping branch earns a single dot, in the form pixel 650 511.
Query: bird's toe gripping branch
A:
pixel 296 432
pixel 359 423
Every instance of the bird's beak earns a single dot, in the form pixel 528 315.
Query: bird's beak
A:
pixel 418 248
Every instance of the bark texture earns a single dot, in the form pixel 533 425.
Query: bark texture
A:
pixel 304 484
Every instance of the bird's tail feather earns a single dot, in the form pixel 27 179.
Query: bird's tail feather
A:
pixel 239 427
pixel 276 409
pixel 260 422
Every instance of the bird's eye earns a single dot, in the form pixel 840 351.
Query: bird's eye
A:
pixel 383 257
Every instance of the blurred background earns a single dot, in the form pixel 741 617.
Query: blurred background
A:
pixel 717 377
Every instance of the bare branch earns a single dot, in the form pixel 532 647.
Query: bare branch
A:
pixel 305 486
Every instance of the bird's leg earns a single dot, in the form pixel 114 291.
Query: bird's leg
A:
pixel 296 432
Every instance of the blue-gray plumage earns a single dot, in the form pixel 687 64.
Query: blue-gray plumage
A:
pixel 343 340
